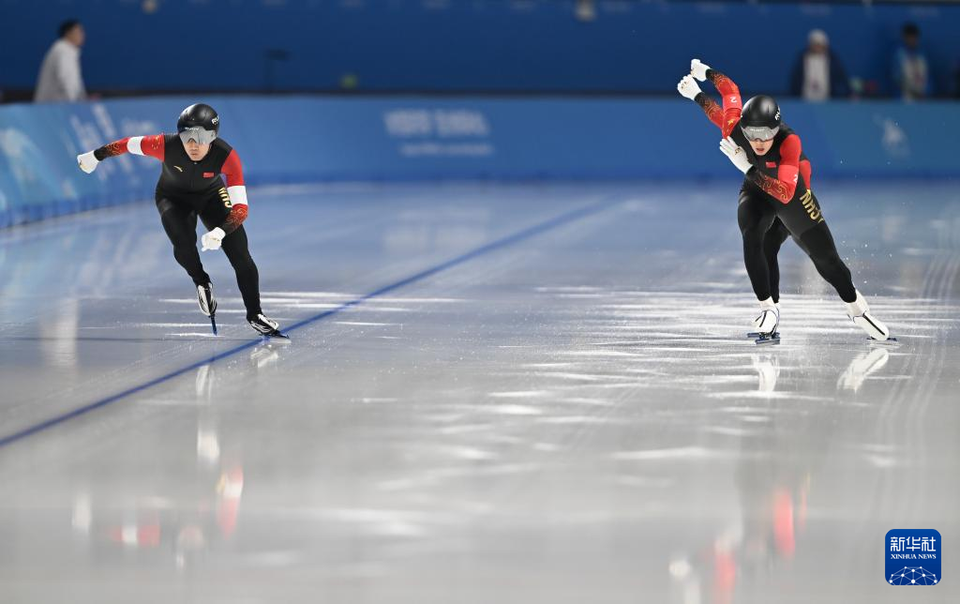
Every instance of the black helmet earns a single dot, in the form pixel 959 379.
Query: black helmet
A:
pixel 760 118
pixel 200 123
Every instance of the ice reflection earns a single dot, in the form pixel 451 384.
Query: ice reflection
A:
pixel 265 355
pixel 58 334
pixel 156 517
pixel 778 463
pixel 767 367
pixel 861 367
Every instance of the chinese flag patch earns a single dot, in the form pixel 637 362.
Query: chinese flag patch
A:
pixel 208 175
pixel 770 164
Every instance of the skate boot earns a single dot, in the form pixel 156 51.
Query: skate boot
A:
pixel 859 311
pixel 208 304
pixel 766 323
pixel 758 319
pixel 266 326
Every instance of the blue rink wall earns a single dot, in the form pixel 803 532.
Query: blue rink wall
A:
pixel 310 139
pixel 634 46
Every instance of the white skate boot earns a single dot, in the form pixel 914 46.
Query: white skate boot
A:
pixel 208 304
pixel 266 326
pixel 766 323
pixel 859 311
pixel 757 320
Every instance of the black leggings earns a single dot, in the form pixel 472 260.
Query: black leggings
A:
pixel 180 223
pixel 763 234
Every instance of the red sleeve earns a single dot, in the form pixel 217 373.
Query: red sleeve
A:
pixel 112 149
pixel 153 146
pixel 234 173
pixel 138 145
pixel 235 218
pixel 710 107
pixel 732 103
pixel 784 185
pixel 233 170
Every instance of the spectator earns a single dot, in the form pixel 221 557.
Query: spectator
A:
pixel 60 78
pixel 910 69
pixel 586 10
pixel 818 73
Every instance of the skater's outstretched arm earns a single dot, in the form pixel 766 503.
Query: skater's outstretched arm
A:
pixel 725 117
pixel 689 88
pixel 729 92
pixel 137 145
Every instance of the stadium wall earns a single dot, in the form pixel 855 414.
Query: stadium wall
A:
pixel 633 46
pixel 307 139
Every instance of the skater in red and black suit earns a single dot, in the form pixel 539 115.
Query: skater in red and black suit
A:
pixel 190 186
pixel 776 200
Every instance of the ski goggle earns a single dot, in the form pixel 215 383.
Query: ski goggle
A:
pixel 759 133
pixel 198 134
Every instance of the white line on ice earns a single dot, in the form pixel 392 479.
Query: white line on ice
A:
pixel 520 394
pixel 673 453
pixel 513 410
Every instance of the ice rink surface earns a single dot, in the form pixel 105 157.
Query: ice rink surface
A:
pixel 493 394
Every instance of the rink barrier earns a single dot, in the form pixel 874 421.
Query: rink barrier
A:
pixel 316 139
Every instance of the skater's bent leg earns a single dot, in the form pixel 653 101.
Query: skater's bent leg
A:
pixel 755 216
pixel 819 245
pixel 181 227
pixel 235 246
pixel 772 241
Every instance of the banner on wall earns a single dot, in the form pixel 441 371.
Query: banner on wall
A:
pixel 431 139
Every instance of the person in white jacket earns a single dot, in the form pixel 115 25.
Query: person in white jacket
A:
pixel 60 79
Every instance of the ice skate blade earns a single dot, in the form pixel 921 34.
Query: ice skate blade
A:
pixel 770 339
pixel 275 335
pixel 213 325
pixel 891 341
pixel 753 335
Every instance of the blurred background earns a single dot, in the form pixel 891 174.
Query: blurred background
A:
pixel 517 47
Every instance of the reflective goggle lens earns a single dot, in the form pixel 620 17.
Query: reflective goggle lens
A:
pixel 201 136
pixel 759 133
